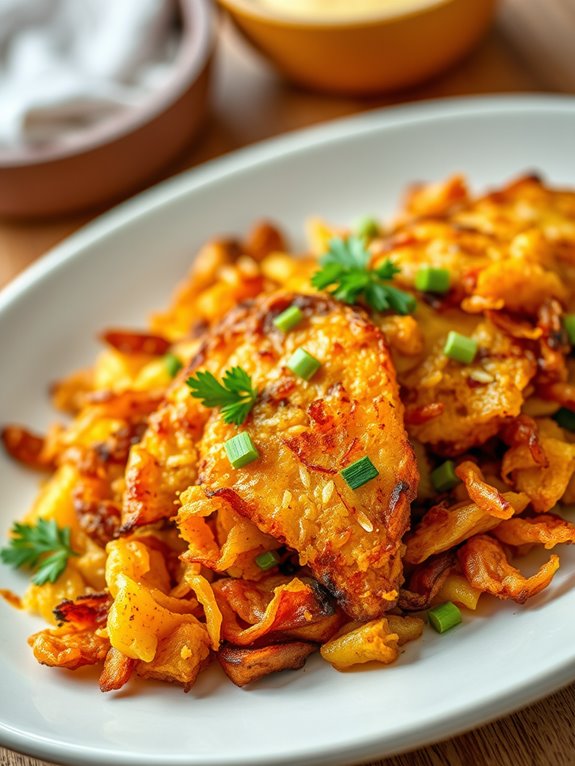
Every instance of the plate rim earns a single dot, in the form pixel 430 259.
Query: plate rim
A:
pixel 302 139
pixel 440 727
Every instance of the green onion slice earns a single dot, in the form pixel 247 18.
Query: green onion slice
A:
pixel 173 364
pixel 240 450
pixel 359 473
pixel 367 227
pixel 267 560
pixel 460 348
pixel 444 478
pixel 432 280
pixel 288 319
pixel 444 617
pixel 569 324
pixel 303 364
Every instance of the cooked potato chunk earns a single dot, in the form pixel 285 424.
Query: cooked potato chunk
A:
pixel 180 656
pixel 243 665
pixel 371 642
pixel 69 648
pixel 487 569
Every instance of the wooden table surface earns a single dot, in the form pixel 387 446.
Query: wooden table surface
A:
pixel 531 48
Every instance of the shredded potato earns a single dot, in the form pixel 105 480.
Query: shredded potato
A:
pixel 545 481
pixel 487 569
pixel 457 589
pixel 181 559
pixel 443 528
pixel 546 529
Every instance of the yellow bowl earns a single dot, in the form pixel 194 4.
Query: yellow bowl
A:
pixel 364 55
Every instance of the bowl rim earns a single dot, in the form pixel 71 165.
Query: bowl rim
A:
pixel 254 10
pixel 194 51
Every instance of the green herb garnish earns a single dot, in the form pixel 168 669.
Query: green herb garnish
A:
pixel 289 319
pixel 569 324
pixel 444 617
pixel 433 280
pixel 267 560
pixel 240 450
pixel 235 395
pixel 367 228
pixel 444 477
pixel 460 347
pixel 303 364
pixel 345 268
pixel 44 547
pixel 173 364
pixel 359 473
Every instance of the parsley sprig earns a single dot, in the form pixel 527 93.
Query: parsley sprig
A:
pixel 235 395
pixel 345 268
pixel 44 547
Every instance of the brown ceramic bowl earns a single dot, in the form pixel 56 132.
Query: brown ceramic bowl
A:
pixel 118 156
pixel 362 55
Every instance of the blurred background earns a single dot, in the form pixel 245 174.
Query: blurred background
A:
pixel 102 98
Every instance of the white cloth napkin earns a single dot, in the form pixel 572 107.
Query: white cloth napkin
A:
pixel 66 64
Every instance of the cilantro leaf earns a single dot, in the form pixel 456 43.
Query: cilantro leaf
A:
pixel 400 301
pixel 235 395
pixel 387 270
pixel 376 296
pixel 44 547
pixel 345 269
pixel 349 253
pixel 330 273
pixel 238 381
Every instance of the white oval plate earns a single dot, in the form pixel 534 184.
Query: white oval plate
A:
pixel 125 264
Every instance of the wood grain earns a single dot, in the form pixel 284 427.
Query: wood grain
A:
pixel 531 48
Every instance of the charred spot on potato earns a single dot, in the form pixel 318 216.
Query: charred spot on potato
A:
pixel 130 342
pixel 27 448
pixel 90 611
pixel 117 670
pixel 244 666
pixel 100 520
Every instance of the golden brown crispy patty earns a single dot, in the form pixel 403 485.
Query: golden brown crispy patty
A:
pixel 305 432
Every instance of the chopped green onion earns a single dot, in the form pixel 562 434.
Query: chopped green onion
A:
pixel 431 280
pixel 240 450
pixel 367 227
pixel 288 319
pixel 303 364
pixel 444 617
pixel 444 478
pixel 173 364
pixel 267 560
pixel 460 348
pixel 565 418
pixel 359 473
pixel 569 324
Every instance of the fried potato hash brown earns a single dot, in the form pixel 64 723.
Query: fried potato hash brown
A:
pixel 391 454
